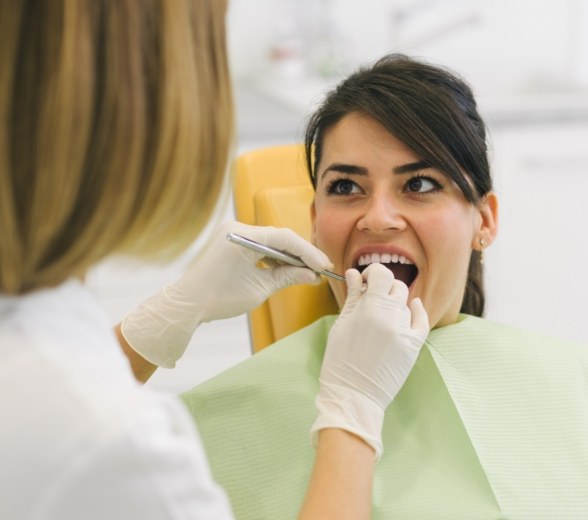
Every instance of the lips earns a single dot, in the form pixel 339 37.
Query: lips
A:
pixel 402 268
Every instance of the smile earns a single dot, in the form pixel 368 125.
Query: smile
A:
pixel 402 268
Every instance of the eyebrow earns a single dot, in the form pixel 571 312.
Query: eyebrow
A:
pixel 351 169
pixel 411 167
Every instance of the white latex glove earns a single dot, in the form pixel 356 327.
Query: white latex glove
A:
pixel 222 282
pixel 372 348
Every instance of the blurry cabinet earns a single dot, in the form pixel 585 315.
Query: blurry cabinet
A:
pixel 536 275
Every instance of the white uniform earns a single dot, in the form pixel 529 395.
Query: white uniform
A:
pixel 79 437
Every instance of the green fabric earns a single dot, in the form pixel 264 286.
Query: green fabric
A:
pixel 491 423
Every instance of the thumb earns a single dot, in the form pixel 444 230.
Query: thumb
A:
pixel 420 319
pixel 354 289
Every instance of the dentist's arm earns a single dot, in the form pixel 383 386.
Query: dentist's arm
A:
pixel 142 369
pixel 340 487
pixel 222 282
pixel 372 348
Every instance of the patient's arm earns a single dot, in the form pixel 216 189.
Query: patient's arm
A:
pixel 341 481
pixel 141 368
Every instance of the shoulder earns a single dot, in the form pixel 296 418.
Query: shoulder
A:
pixel 494 339
pixel 482 328
pixel 294 356
pixel 263 389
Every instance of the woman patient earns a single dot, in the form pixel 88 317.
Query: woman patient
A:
pixel 492 421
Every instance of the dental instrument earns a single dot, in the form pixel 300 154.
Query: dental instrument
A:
pixel 276 254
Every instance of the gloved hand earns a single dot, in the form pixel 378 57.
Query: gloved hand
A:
pixel 371 349
pixel 222 282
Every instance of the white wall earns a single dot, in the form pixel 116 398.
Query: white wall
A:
pixel 528 62
pixel 535 271
pixel 503 45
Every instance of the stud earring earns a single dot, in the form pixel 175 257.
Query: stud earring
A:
pixel 482 244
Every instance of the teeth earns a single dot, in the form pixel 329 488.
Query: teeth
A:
pixel 385 258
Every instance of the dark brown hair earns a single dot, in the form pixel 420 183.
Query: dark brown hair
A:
pixel 430 109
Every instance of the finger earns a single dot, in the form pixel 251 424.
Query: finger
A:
pixel 354 282
pixel 379 279
pixel 248 232
pixel 286 240
pixel 420 319
pixel 399 291
pixel 354 288
pixel 287 275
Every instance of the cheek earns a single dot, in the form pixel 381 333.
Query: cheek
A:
pixel 449 230
pixel 330 234
pixel 447 240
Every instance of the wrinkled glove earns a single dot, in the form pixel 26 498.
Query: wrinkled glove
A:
pixel 223 281
pixel 371 349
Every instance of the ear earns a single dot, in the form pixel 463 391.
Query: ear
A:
pixel 313 223
pixel 488 229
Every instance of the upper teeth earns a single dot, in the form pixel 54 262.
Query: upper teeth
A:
pixel 385 258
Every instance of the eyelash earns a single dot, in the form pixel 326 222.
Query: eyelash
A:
pixel 436 184
pixel 336 182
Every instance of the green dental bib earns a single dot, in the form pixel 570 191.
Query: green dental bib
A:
pixel 491 423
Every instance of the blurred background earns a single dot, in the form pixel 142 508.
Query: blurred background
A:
pixel 527 61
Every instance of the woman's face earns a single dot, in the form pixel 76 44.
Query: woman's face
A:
pixel 376 201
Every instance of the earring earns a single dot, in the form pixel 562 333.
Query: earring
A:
pixel 482 244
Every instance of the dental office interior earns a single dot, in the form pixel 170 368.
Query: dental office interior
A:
pixel 527 61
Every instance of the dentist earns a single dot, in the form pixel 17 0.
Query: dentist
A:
pixel 115 131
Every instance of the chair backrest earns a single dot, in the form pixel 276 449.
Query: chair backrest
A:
pixel 271 188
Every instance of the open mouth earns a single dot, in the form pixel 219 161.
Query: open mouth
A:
pixel 402 268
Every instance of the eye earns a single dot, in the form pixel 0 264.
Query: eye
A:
pixel 342 186
pixel 422 184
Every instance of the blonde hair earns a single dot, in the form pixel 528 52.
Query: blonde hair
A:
pixel 116 120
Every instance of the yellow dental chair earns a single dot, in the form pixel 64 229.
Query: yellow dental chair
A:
pixel 271 188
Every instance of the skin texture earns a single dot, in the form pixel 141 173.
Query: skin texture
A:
pixel 142 369
pixel 363 203
pixel 341 481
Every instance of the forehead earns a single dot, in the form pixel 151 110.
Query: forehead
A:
pixel 360 140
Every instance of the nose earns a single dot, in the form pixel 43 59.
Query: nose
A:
pixel 380 214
